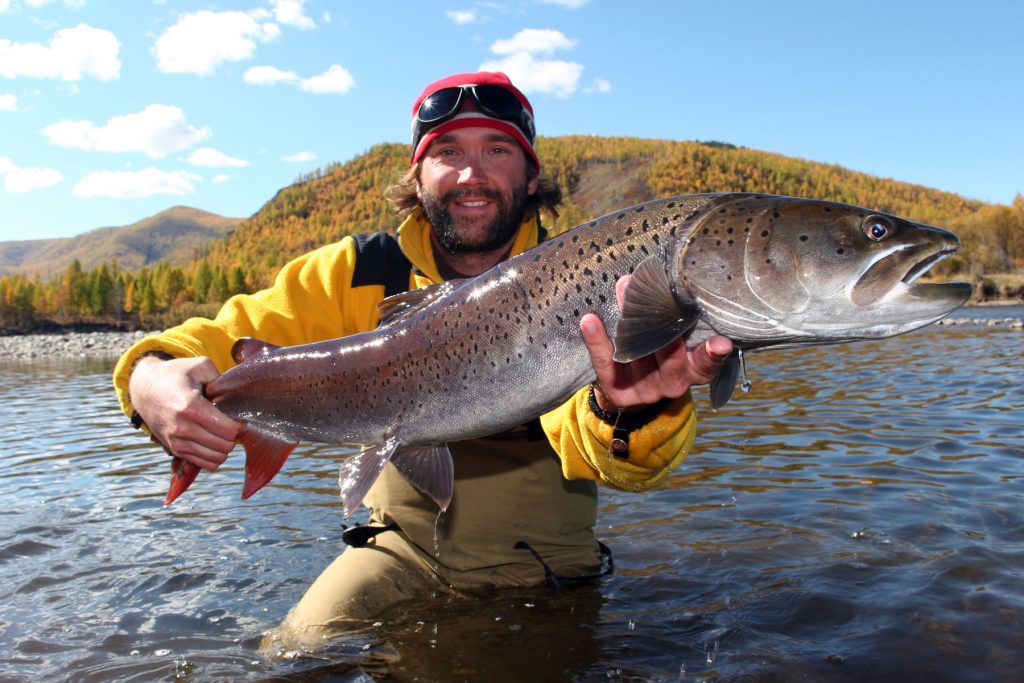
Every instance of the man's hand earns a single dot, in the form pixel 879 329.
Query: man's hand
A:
pixel 666 373
pixel 168 395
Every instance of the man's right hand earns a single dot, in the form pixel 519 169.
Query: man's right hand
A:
pixel 168 395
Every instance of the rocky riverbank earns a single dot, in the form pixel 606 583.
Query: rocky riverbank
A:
pixel 68 345
pixel 113 344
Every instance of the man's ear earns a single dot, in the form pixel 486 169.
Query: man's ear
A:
pixel 533 182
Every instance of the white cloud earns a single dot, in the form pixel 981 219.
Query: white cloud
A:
pixel 71 54
pixel 221 178
pixel 269 75
pixel 156 131
pixel 301 156
pixel 27 179
pixel 530 74
pixel 600 86
pixel 200 41
pixel 462 16
pixel 336 80
pixel 4 4
pixel 551 77
pixel 567 4
pixel 8 103
pixel 212 158
pixel 291 13
pixel 135 184
pixel 534 41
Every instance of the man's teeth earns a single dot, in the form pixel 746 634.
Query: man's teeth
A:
pixel 474 203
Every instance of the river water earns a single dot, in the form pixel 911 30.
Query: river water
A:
pixel 859 514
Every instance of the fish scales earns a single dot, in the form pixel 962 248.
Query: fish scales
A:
pixel 460 357
pixel 470 358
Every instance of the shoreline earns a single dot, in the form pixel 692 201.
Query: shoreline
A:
pixel 112 344
pixel 68 345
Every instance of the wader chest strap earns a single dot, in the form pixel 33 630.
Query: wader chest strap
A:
pixel 359 535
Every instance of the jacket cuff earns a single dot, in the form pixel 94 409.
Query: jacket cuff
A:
pixel 584 443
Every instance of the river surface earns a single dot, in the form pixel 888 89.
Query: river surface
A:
pixel 858 515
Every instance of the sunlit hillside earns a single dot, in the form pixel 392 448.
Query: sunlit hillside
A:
pixel 598 175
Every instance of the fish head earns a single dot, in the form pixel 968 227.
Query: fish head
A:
pixel 787 271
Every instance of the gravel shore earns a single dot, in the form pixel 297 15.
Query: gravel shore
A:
pixel 113 344
pixel 68 345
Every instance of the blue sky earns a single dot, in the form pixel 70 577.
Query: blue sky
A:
pixel 114 111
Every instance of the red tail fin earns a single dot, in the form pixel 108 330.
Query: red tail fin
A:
pixel 264 457
pixel 183 473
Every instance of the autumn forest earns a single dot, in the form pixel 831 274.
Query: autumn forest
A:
pixel 597 175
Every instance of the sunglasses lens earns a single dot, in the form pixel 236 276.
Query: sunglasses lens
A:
pixel 439 105
pixel 497 101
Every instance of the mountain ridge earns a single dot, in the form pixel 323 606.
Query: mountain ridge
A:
pixel 173 235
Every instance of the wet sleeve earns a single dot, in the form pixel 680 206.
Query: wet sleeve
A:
pixel 303 305
pixel 582 441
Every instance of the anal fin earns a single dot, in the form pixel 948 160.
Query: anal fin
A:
pixel 360 471
pixel 265 454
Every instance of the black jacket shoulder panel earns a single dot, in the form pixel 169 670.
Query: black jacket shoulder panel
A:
pixel 380 261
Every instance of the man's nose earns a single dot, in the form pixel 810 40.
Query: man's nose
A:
pixel 472 171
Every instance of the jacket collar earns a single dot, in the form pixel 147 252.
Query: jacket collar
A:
pixel 414 240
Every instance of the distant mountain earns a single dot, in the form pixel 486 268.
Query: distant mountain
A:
pixel 173 235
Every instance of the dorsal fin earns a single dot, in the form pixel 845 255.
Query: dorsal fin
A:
pixel 247 347
pixel 397 307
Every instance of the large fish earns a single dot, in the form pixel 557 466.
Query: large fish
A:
pixel 474 357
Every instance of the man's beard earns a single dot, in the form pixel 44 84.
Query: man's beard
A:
pixel 497 234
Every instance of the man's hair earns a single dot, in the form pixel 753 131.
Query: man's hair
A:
pixel 402 194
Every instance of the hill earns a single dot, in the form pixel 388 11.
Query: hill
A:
pixel 145 275
pixel 173 236
pixel 598 175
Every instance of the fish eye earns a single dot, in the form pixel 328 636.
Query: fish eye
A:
pixel 877 228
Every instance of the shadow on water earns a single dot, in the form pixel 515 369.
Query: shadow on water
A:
pixel 857 516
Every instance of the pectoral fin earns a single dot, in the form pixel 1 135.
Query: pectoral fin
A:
pixel 724 383
pixel 652 316
pixel 360 471
pixel 430 469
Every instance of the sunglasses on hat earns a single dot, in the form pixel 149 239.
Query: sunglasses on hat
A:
pixel 491 100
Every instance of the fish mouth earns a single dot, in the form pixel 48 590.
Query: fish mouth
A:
pixel 894 274
pixel 924 265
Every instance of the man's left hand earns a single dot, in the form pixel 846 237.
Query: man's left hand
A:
pixel 666 373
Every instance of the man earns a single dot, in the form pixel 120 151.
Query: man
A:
pixel 525 502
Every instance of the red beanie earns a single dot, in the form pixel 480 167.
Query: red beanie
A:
pixel 469 117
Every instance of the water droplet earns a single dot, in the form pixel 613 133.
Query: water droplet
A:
pixel 745 383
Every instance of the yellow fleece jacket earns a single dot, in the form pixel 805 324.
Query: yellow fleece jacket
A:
pixel 312 299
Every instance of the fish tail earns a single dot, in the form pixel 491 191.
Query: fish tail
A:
pixel 183 473
pixel 264 457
